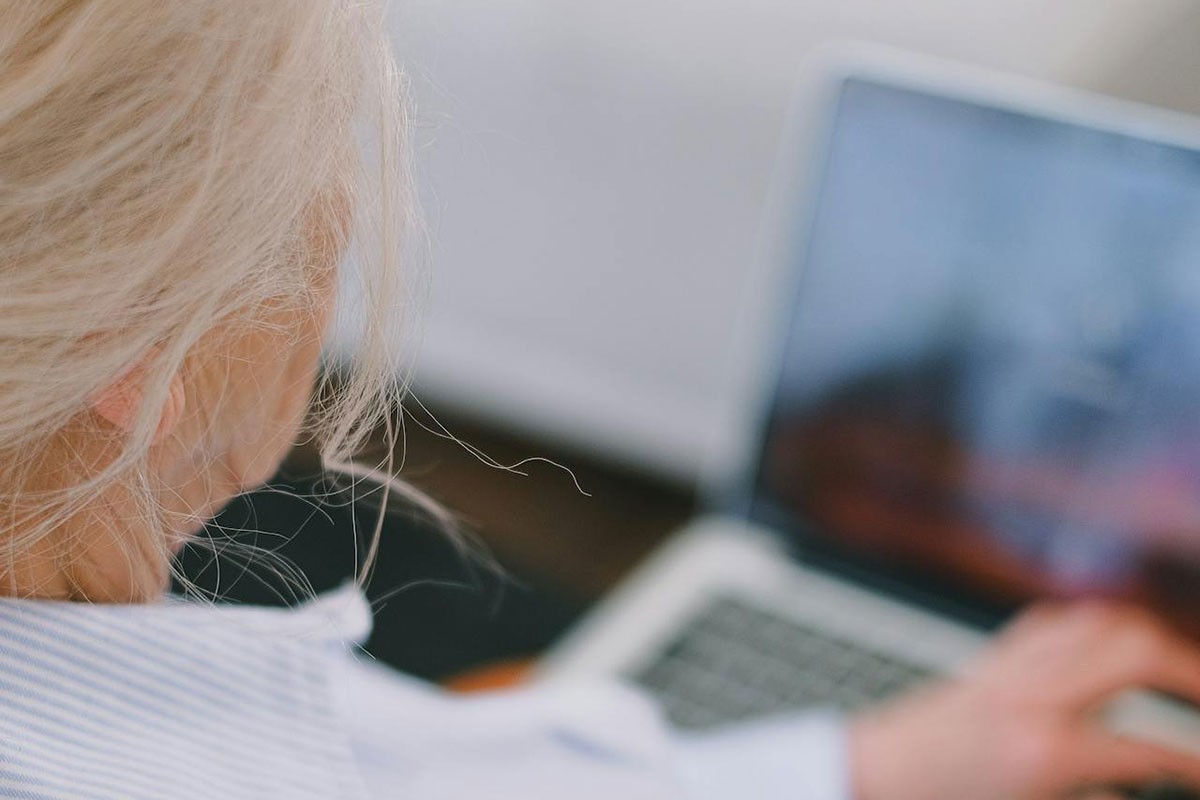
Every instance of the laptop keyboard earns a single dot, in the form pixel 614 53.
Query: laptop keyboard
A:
pixel 733 660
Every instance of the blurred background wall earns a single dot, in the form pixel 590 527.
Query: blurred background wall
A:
pixel 594 176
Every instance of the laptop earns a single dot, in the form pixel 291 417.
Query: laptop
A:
pixel 984 391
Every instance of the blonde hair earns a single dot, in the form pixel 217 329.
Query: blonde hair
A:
pixel 160 163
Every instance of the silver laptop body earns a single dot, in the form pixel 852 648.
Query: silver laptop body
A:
pixel 987 355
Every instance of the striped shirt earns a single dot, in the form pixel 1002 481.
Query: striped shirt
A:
pixel 186 700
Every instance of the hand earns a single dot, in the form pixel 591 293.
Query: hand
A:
pixel 1020 724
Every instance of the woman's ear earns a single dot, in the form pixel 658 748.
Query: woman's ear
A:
pixel 120 401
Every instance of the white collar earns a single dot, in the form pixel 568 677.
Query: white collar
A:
pixel 175 699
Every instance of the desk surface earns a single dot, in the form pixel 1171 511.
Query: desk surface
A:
pixel 437 613
pixel 540 524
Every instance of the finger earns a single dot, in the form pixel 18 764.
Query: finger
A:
pixel 1034 636
pixel 1032 619
pixel 1120 761
pixel 1051 629
pixel 1038 615
pixel 1133 650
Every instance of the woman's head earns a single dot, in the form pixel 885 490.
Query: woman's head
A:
pixel 180 179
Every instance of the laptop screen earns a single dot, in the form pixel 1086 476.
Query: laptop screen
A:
pixel 992 377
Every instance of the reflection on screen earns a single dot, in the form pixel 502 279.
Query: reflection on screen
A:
pixel 993 374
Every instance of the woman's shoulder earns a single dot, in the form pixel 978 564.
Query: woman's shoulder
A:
pixel 175 698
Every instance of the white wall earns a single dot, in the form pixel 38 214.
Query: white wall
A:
pixel 594 174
